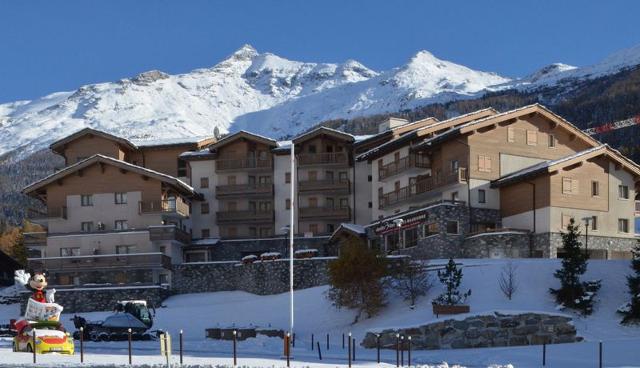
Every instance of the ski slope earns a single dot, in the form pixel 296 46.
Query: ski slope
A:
pixel 314 314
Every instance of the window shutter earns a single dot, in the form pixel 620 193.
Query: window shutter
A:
pixel 574 186
pixel 511 134
pixel 532 137
pixel 487 163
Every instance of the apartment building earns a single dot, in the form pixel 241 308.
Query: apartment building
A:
pixel 483 184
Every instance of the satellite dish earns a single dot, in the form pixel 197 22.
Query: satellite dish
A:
pixel 216 132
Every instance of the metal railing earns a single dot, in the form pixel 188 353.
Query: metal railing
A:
pixel 244 216
pixel 49 213
pixel 637 207
pixel 342 213
pixel 244 189
pixel 101 261
pixel 35 239
pixel 497 230
pixel 326 158
pixel 243 163
pixel 325 185
pixel 406 163
pixel 169 206
pixel 421 187
pixel 169 232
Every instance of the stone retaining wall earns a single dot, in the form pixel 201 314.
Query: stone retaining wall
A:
pixel 508 244
pixel 490 330
pixel 231 250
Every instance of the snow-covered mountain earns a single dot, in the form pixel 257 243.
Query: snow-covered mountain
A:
pixel 263 93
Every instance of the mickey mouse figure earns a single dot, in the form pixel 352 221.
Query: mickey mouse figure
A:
pixel 36 283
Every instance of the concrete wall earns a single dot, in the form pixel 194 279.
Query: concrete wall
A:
pixel 204 169
pixel 102 243
pixel 282 192
pixel 363 195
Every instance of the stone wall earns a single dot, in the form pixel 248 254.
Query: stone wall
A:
pixel 507 244
pixel 262 278
pixel 490 330
pixel 103 299
pixel 232 250
pixel 600 247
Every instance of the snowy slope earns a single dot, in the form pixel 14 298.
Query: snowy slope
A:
pixel 266 94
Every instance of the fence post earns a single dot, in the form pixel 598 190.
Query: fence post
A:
pixel 402 351
pixel 235 357
pixel 129 337
pixel 354 349
pixel 312 342
pixel 293 343
pixel 180 347
pixel 81 344
pixel 343 340
pixel 544 355
pixel 349 352
pixel 287 347
pixel 600 354
pixel 319 352
pixel 327 341
pixel 397 350
pixel 409 351
pixel 378 347
pixel 33 342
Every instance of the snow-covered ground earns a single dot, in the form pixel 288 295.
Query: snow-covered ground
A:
pixel 314 314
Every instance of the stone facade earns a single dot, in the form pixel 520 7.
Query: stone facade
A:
pixel 491 330
pixel 262 278
pixel 600 247
pixel 103 299
pixel 508 244
pixel 233 250
pixel 486 216
pixel 102 277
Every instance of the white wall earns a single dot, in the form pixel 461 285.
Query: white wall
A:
pixel 513 163
pixel 363 193
pixel 282 191
pixel 492 196
pixel 204 169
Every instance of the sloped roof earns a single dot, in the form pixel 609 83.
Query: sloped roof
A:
pixel 246 135
pixel 58 145
pixel 168 179
pixel 549 166
pixel 357 230
pixel 323 130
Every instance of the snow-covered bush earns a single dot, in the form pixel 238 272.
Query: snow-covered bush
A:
pixel 451 277
pixel 306 253
pixel 270 256
pixel 249 259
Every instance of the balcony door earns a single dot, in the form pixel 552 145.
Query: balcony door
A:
pixel 328 175
pixel 329 203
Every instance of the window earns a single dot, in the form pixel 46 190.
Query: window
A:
pixel 454 166
pixel 344 202
pixel 312 148
pixel 121 225
pixel 196 257
pixel 162 249
pixel 231 180
pixel 69 252
pixel 264 180
pixel 623 192
pixel 313 228
pixel 455 196
pixel 430 229
pixel 87 226
pixel 86 200
pixel 287 177
pixel 343 176
pixel 264 206
pixel 330 228
pixel 312 175
pixel 125 249
pixel 484 163
pixel 182 168
pixel 329 203
pixel 205 233
pixel 623 225
pixel 482 196
pixel 253 231
pixel 287 203
pixel 595 188
pixel 370 178
pixel 370 204
pixel 569 186
pixel 511 134
pixel 328 175
pixel 204 208
pixel 265 231
pixel 120 198
pixel 594 223
pixel 532 138
pixel 232 206
pixel 452 227
pixel 232 232
pixel 204 182
pixel 552 141
pixel 313 202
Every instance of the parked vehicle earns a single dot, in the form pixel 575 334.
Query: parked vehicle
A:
pixel 129 314
pixel 50 337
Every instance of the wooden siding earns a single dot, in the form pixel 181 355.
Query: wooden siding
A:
pixel 518 198
pixel 582 176
pixel 89 145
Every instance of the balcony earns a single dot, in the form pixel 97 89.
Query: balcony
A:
pixel 226 217
pixel 244 190
pixel 243 163
pixel 38 239
pixel 332 213
pixel 169 232
pixel 102 262
pixel 404 164
pixel 420 188
pixel 326 158
pixel 637 208
pixel 175 207
pixel 340 186
pixel 51 213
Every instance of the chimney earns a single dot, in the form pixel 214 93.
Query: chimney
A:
pixel 391 123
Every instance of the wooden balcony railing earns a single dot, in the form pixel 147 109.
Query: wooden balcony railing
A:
pixel 241 163
pixel 253 190
pixel 101 261
pixel 326 185
pixel 326 158
pixel 406 163
pixel 335 213
pixel 169 232
pixel 168 206
pixel 49 213
pixel 224 217
pixel 38 239
pixel 421 187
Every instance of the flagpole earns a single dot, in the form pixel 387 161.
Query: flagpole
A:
pixel 291 233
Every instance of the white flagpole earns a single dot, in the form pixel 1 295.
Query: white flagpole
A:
pixel 291 233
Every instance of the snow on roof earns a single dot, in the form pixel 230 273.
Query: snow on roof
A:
pixel 169 141
pixel 410 212
pixel 358 229
pixel 205 241
pixel 541 166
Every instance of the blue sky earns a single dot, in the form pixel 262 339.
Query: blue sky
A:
pixel 49 45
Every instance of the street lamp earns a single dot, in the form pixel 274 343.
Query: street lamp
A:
pixel 399 223
pixel 586 241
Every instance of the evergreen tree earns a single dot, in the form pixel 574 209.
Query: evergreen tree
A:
pixel 632 310
pixel 451 277
pixel 356 279
pixel 573 293
pixel 19 250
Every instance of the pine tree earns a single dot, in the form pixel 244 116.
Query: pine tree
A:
pixel 573 293
pixel 356 279
pixel 451 277
pixel 632 310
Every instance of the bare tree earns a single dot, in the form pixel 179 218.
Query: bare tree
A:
pixel 508 280
pixel 412 281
